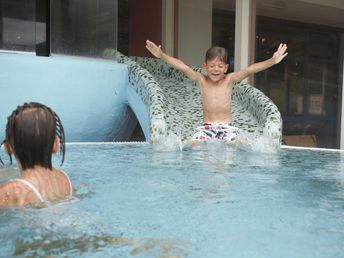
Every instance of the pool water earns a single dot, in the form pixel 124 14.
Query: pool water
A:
pixel 134 200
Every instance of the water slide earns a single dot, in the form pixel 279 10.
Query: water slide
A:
pixel 175 102
pixel 103 99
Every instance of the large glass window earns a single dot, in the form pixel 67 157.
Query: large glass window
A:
pixel 77 27
pixel 305 86
pixel 17 25
pixel 83 27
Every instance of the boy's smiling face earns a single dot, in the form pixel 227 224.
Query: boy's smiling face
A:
pixel 216 69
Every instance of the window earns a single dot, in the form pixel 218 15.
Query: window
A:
pixel 83 27
pixel 305 86
pixel 74 27
pixel 17 25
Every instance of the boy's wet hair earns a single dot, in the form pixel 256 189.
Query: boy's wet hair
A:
pixel 30 132
pixel 216 52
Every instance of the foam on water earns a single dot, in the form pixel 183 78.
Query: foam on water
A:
pixel 258 143
pixel 245 141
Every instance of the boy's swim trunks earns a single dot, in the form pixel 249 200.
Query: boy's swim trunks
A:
pixel 216 131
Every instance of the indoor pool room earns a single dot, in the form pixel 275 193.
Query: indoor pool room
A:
pixel 171 128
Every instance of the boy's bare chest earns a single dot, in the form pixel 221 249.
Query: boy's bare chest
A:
pixel 217 91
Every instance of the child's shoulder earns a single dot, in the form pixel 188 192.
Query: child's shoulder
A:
pixel 9 192
pixel 229 78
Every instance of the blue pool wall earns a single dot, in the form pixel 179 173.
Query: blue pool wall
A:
pixel 88 94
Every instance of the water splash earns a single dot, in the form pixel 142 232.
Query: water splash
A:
pixel 246 141
pixel 170 142
pixel 258 143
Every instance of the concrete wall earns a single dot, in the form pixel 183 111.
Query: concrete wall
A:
pixel 88 94
pixel 194 30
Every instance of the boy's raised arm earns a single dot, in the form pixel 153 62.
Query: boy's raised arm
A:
pixel 260 66
pixel 174 62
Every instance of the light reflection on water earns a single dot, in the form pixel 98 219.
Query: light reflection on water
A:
pixel 206 201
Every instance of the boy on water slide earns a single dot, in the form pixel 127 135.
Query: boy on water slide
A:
pixel 216 88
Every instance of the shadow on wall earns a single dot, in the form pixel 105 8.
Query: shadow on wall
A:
pixel 129 128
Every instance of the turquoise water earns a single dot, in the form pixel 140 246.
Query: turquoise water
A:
pixel 213 201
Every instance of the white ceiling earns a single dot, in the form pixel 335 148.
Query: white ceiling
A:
pixel 324 12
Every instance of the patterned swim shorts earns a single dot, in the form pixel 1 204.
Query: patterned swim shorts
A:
pixel 216 131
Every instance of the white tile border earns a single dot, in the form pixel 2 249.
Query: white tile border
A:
pixel 309 148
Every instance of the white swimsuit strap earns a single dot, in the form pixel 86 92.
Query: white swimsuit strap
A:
pixel 34 189
pixel 70 183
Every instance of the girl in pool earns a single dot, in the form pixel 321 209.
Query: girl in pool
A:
pixel 33 133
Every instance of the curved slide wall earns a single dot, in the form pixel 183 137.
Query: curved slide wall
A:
pixel 145 97
pixel 88 94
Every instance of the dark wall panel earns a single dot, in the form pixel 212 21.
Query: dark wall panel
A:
pixel 144 23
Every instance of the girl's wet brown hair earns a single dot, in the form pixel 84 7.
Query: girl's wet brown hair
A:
pixel 216 52
pixel 30 132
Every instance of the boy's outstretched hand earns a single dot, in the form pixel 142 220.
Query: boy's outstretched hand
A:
pixel 280 53
pixel 154 49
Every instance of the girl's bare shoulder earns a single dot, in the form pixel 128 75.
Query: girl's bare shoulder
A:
pixel 9 193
